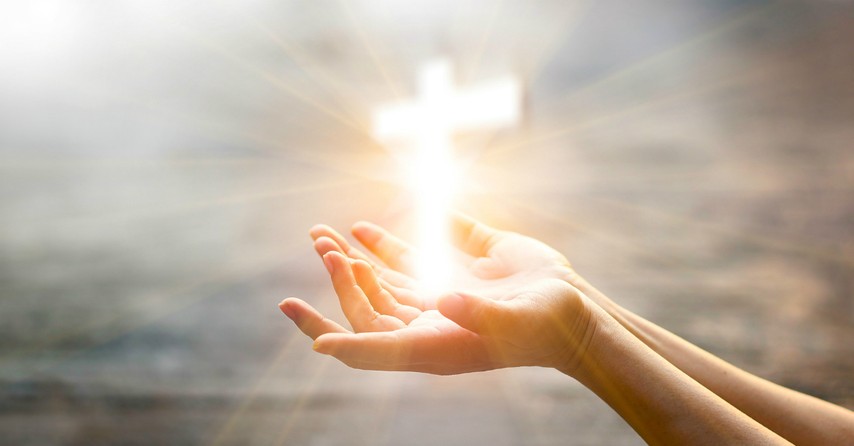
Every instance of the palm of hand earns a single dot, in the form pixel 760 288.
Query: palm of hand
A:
pixel 397 326
pixel 512 264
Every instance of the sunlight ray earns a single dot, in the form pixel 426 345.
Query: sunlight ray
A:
pixel 121 324
pixel 459 19
pixel 761 239
pixel 331 163
pixel 263 379
pixel 482 41
pixel 519 393
pixel 117 325
pixel 741 16
pixel 319 159
pixel 384 404
pixel 339 89
pixel 56 163
pixel 303 399
pixel 267 376
pixel 384 409
pixel 764 238
pixel 270 78
pixel 196 205
pixel 622 243
pixel 371 47
pixel 632 109
pixel 738 18
pixel 570 17
pixel 199 205
pixel 228 132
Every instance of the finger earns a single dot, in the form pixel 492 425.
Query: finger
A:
pixel 309 320
pixel 393 251
pixel 339 244
pixel 381 299
pixel 325 244
pixel 403 295
pixel 396 278
pixel 473 237
pixel 368 351
pixel 478 314
pixel 354 303
pixel 419 350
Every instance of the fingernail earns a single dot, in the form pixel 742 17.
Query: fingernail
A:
pixel 289 312
pixel 451 304
pixel 316 346
pixel 327 261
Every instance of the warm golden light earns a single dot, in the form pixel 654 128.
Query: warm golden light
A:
pixel 426 127
pixel 433 180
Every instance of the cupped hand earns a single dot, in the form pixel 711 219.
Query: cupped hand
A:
pixel 514 306
pixel 490 262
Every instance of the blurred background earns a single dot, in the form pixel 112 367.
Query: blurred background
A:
pixel 162 161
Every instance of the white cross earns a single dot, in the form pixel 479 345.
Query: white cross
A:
pixel 428 123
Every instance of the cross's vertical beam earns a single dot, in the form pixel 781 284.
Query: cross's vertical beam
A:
pixel 434 178
pixel 427 124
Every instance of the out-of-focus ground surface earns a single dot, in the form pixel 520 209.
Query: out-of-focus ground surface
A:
pixel 161 163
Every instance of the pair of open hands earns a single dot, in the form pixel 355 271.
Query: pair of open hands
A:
pixel 511 305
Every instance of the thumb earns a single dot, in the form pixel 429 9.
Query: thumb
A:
pixel 474 313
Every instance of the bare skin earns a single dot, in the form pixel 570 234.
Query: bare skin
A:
pixel 520 303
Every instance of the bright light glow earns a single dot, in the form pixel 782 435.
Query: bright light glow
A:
pixel 427 125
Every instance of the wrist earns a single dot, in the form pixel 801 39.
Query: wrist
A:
pixel 599 298
pixel 580 339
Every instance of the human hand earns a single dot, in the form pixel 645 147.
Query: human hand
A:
pixel 489 263
pixel 518 309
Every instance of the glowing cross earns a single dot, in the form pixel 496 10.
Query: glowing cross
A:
pixel 428 123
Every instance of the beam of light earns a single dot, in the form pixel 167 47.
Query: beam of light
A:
pixel 623 244
pixel 272 79
pixel 762 238
pixel 268 144
pixel 258 387
pixel 198 205
pixel 224 131
pixel 385 406
pixel 483 40
pixel 427 125
pixel 355 170
pixel 522 407
pixel 107 328
pixel 339 89
pixel 264 378
pixel 630 245
pixel 738 18
pixel 634 108
pixel 305 396
pixel 119 325
pixel 570 16
pixel 110 328
pixel 85 163
pixel 722 28
pixel 370 47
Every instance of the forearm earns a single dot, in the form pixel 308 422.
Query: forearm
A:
pixel 663 404
pixel 799 418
